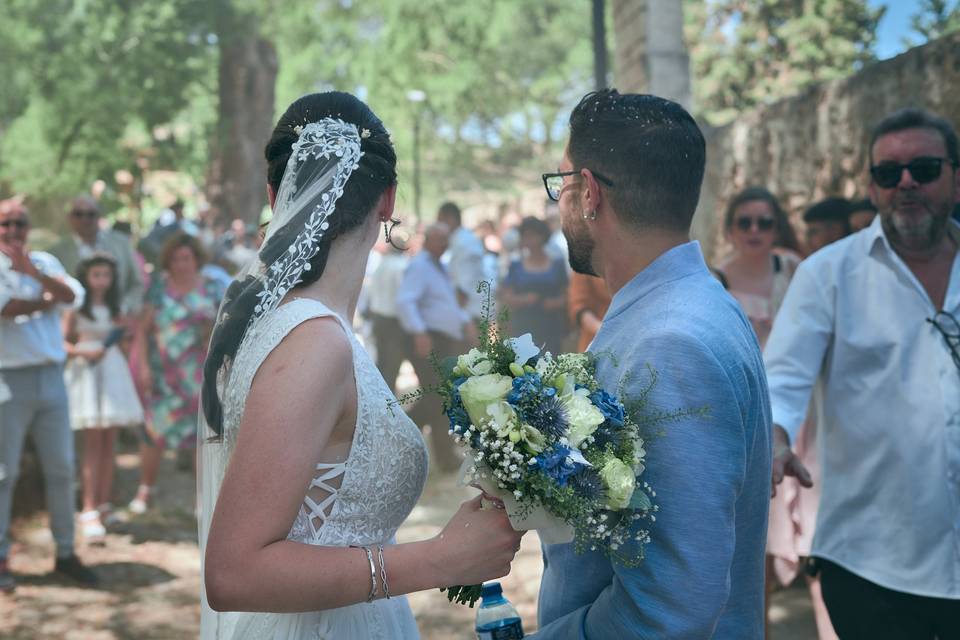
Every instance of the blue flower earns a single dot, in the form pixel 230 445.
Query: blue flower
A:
pixel 546 414
pixel 525 387
pixel 557 463
pixel 588 483
pixel 609 406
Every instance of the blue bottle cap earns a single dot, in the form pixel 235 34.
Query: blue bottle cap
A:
pixel 491 589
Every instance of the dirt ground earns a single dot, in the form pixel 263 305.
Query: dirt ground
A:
pixel 150 576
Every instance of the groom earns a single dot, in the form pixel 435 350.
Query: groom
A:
pixel 627 189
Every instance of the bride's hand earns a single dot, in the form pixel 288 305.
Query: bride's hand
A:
pixel 476 545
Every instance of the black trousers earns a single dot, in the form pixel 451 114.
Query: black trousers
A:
pixel 429 408
pixel 393 346
pixel 862 610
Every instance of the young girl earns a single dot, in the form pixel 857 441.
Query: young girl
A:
pixel 102 395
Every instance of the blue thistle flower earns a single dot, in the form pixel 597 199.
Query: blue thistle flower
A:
pixel 588 483
pixel 546 414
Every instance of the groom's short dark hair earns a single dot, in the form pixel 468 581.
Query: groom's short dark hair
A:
pixel 651 150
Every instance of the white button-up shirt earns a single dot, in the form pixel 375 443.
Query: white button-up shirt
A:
pixel 34 339
pixel 464 262
pixel 854 326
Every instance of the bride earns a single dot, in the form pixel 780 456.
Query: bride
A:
pixel 307 469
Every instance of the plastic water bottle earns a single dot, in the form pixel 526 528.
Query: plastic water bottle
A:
pixel 496 617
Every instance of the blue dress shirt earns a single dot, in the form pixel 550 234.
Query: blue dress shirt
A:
pixel 703 575
pixel 427 300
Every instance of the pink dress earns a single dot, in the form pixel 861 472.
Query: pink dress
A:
pixel 793 512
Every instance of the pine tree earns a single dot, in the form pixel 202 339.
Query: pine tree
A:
pixel 751 52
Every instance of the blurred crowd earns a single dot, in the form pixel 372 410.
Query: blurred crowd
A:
pixel 108 332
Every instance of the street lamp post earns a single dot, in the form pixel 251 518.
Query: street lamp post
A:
pixel 416 96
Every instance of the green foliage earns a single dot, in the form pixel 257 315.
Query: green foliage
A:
pixel 934 19
pixel 747 53
pixel 97 85
pixel 500 76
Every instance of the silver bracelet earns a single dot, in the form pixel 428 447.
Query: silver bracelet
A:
pixel 383 572
pixel 373 572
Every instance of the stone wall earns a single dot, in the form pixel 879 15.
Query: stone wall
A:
pixel 815 144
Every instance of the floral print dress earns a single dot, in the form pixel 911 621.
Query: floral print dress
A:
pixel 177 349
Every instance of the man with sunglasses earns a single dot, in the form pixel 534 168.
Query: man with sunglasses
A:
pixel 33 288
pixel 869 325
pixel 87 238
pixel 627 188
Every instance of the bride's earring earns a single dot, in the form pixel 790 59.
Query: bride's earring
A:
pixel 590 216
pixel 388 233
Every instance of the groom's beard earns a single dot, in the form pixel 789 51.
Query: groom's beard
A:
pixel 579 246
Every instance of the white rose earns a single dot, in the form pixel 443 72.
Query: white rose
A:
pixel 584 418
pixel 479 392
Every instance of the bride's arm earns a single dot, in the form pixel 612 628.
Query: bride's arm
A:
pixel 301 391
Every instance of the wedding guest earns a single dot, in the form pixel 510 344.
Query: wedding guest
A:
pixel 172 221
pixel 754 274
pixel 588 303
pixel 34 287
pixel 463 259
pixel 862 214
pixel 888 381
pixel 393 343
pixel 827 221
pixel 175 326
pixel 88 238
pixel 99 385
pixel 534 290
pixel 428 309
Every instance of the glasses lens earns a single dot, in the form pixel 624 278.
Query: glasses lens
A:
pixel 948 324
pixel 925 170
pixel 886 175
pixel 744 224
pixel 554 185
pixel 16 224
pixel 765 224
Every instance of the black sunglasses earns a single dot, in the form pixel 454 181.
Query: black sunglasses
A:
pixel 746 223
pixel 553 182
pixel 927 169
pixel 948 326
pixel 16 224
pixel 80 213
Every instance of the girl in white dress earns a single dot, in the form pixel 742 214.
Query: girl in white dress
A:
pixel 307 467
pixel 100 388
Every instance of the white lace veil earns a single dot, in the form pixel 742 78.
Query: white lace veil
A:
pixel 322 159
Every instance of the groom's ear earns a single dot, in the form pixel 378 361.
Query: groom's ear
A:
pixel 590 194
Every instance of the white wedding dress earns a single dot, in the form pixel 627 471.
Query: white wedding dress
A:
pixel 362 501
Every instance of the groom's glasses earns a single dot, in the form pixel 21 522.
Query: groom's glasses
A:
pixel 553 182
pixel 948 326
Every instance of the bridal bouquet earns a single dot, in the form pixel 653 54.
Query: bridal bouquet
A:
pixel 563 454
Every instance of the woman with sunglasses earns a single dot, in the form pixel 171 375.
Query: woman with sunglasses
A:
pixel 757 275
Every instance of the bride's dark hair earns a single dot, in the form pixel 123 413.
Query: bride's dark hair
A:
pixel 377 172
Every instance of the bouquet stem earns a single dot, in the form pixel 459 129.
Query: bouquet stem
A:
pixel 461 594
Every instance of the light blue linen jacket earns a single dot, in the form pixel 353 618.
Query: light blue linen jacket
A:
pixel 703 574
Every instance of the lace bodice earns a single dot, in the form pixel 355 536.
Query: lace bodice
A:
pixel 365 499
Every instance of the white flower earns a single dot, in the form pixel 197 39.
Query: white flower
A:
pixel 620 483
pixel 479 392
pixel 523 348
pixel 584 418
pixel 473 363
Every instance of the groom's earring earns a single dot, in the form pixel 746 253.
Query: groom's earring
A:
pixel 590 216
